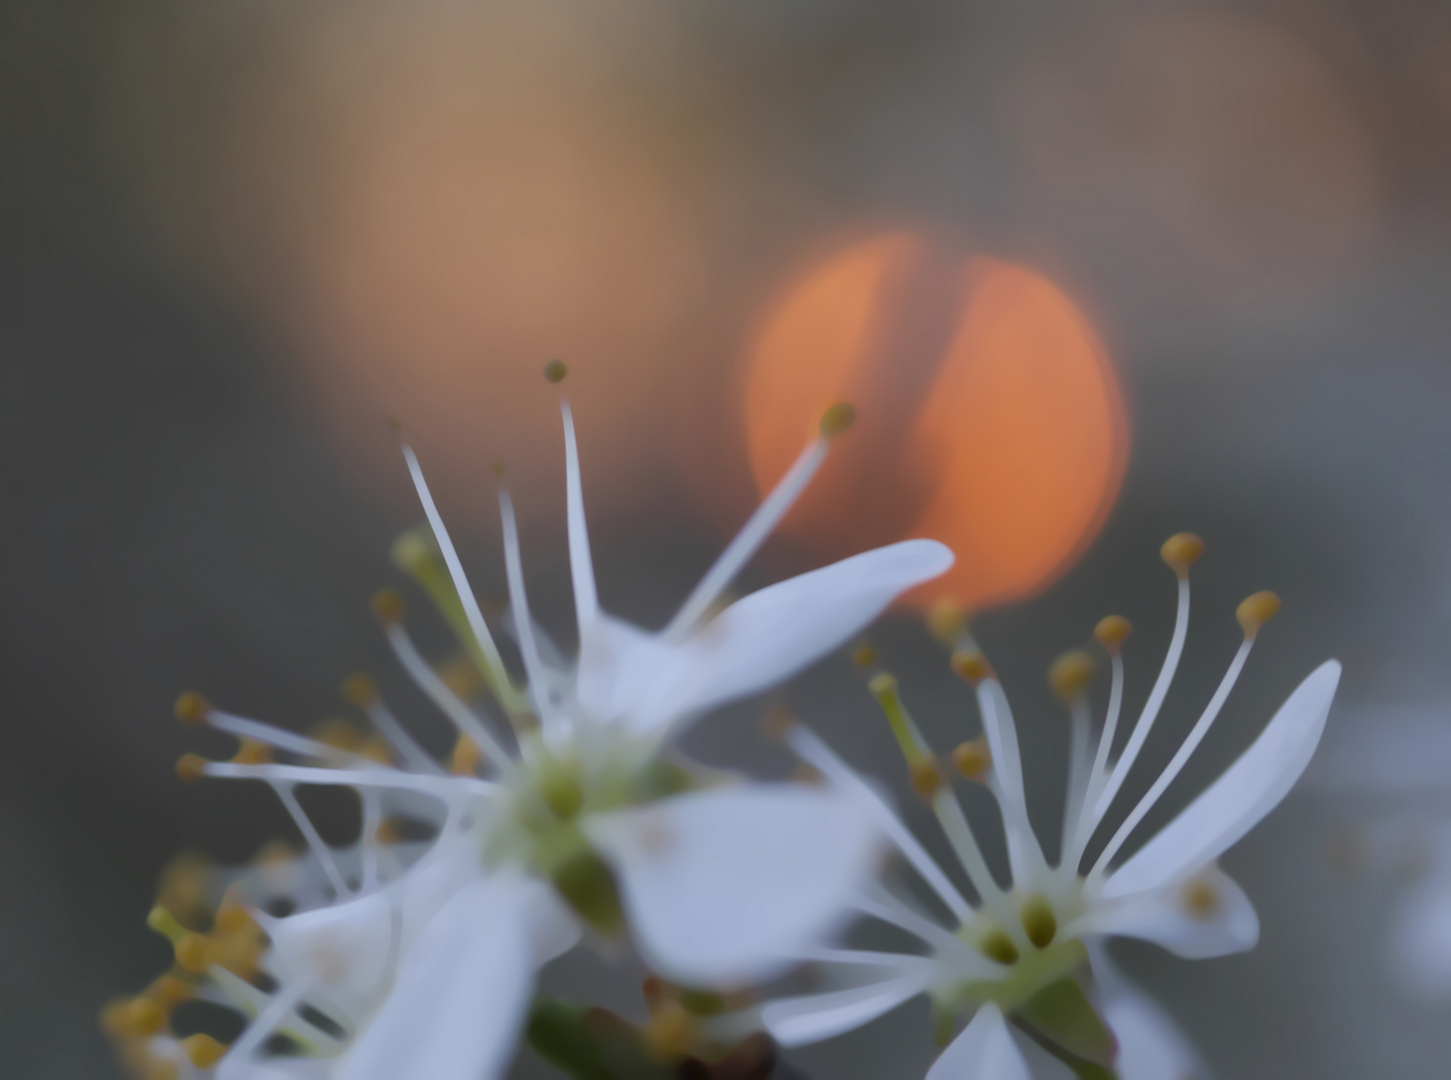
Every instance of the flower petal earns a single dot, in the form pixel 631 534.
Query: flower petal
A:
pixel 984 1051
pixel 1150 1044
pixel 348 946
pixel 1209 915
pixel 1235 803
pixel 808 1018
pixel 459 1000
pixel 1420 943
pixel 730 885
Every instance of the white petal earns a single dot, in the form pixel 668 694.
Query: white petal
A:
pixel 1235 803
pixel 984 1051
pixel 1209 915
pixel 461 993
pixel 796 1021
pixel 349 946
pixel 1150 1044
pixel 733 884
pixel 1420 943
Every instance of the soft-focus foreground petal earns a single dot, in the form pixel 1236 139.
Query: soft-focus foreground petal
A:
pixel 1208 915
pixel 753 644
pixel 461 994
pixel 1150 1044
pixel 1239 799
pixel 349 946
pixel 809 1018
pixel 1420 943
pixel 984 1051
pixel 730 885
pixel 774 632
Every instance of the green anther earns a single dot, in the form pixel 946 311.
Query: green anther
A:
pixel 884 689
pixel 560 788
pixel 702 1002
pixel 585 883
pixel 996 945
pixel 416 553
pixel 1039 921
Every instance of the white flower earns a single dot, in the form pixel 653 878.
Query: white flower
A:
pixel 1018 950
pixel 424 968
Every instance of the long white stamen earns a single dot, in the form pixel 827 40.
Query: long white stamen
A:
pixel 482 637
pixel 881 904
pixel 459 714
pixel 447 789
pixel 817 754
pixel 388 726
pixel 1196 736
pixel 1098 775
pixel 523 624
pixel 1079 778
pixel 767 516
pixel 309 831
pixel 1025 854
pixel 581 567
pixel 1151 708
pixel 244 728
pixel 277 1010
pixel 964 843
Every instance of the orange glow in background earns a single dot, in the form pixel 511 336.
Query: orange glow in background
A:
pixel 990 416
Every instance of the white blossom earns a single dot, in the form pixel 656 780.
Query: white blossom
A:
pixel 1018 951
pixel 409 961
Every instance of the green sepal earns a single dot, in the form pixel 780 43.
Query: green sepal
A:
pixel 1062 1014
pixel 587 885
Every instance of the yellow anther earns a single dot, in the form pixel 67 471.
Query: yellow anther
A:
pixel 387 607
pixel 1181 551
pixel 1039 921
pixel 360 689
pixel 192 708
pixel 1070 674
pixel 1112 632
pixel 1254 611
pixel 670 1031
pixel 971 666
pixel 274 853
pixel 864 656
pixel 191 767
pixel 972 759
pixel 1201 900
pixel 837 419
pixel 807 774
pixel 193 953
pixel 161 1069
pixel 252 752
pixel 555 371
pixel 461 676
pixel 203 1051
pixel 338 734
pixel 996 945
pixel 947 620
pixel 376 748
pixel 233 920
pixel 184 887
pixel 388 833
pixel 138 1016
pixel 168 991
pixel 467 757
pixel 884 688
pixel 926 777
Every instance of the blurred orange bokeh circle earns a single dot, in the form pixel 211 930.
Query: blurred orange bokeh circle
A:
pixel 990 416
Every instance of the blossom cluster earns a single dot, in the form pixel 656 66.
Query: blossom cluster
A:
pixel 566 816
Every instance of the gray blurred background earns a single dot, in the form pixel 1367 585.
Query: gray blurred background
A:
pixel 237 238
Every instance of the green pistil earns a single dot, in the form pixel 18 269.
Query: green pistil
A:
pixel 417 554
pixel 884 689
pixel 1026 977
